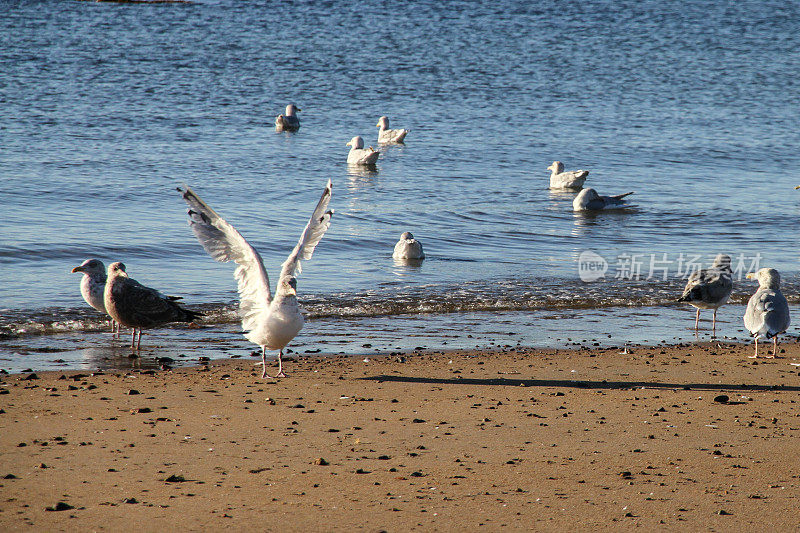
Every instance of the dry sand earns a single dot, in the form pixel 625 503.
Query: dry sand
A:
pixel 471 441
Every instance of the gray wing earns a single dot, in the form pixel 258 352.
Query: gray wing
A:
pixel 709 285
pixel 767 313
pixel 224 243
pixel 317 226
pixel 142 306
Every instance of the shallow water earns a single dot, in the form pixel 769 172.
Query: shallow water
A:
pixel 109 107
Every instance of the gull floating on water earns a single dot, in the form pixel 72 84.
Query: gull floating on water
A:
pixel 93 285
pixel 408 247
pixel 589 200
pixel 767 313
pixel 134 305
pixel 709 288
pixel 288 121
pixel 385 135
pixel 267 320
pixel 572 179
pixel 359 155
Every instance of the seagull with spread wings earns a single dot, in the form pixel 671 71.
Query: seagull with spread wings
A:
pixel 271 321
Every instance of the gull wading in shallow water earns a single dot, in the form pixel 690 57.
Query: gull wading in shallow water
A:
pixel 408 247
pixel 767 313
pixel 589 200
pixel 358 155
pixel 572 179
pixel 93 286
pixel 267 320
pixel 709 288
pixel 385 135
pixel 288 121
pixel 132 304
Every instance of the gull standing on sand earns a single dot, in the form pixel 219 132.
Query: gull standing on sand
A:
pixel 589 200
pixel 385 135
pixel 408 247
pixel 359 155
pixel 93 285
pixel 572 179
pixel 767 311
pixel 267 320
pixel 132 304
pixel 288 121
pixel 709 288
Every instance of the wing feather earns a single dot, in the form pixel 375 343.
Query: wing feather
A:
pixel 224 243
pixel 317 225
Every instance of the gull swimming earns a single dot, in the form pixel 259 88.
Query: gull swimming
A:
pixel 572 179
pixel 359 155
pixel 267 320
pixel 767 313
pixel 589 200
pixel 93 285
pixel 288 121
pixel 134 305
pixel 709 288
pixel 408 247
pixel 385 135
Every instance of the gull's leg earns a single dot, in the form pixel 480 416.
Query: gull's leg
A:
pixel 280 373
pixel 756 354
pixel 264 362
pixel 133 338
pixel 775 346
pixel 714 324
pixel 139 343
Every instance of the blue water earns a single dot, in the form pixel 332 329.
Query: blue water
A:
pixel 107 107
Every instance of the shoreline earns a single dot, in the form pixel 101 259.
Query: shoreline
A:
pixel 470 439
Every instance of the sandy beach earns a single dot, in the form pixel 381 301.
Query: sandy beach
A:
pixel 688 437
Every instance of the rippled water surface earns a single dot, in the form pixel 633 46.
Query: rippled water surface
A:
pixel 108 107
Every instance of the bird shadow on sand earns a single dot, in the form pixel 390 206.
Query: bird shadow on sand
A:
pixel 578 384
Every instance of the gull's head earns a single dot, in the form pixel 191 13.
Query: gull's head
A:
pixel 117 269
pixel 768 278
pixel 406 236
pixel 92 267
pixel 383 123
pixel 557 167
pixel 356 143
pixel 722 261
pixel 291 109
pixel 289 286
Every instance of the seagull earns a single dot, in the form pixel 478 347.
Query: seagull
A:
pixel 132 304
pixel 288 121
pixel 359 155
pixel 559 179
pixel 709 288
pixel 93 285
pixel 385 135
pixel 589 200
pixel 767 311
pixel 267 320
pixel 408 247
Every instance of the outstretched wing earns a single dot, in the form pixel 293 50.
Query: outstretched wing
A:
pixel 317 226
pixel 224 243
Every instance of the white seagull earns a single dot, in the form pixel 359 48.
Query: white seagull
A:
pixel 288 121
pixel 93 285
pixel 408 247
pixel 359 155
pixel 559 179
pixel 767 313
pixel 267 320
pixel 385 135
pixel 134 305
pixel 709 288
pixel 589 200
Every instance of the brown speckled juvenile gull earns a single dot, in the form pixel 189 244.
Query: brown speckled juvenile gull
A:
pixel 709 288
pixel 132 304
pixel 767 313
pixel 288 121
pixel 267 320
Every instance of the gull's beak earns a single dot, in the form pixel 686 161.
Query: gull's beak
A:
pixel 297 109
pixel 349 143
pixel 378 125
pixel 798 187
pixel 77 269
pixel 751 275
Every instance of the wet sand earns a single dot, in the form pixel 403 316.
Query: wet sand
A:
pixel 483 440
